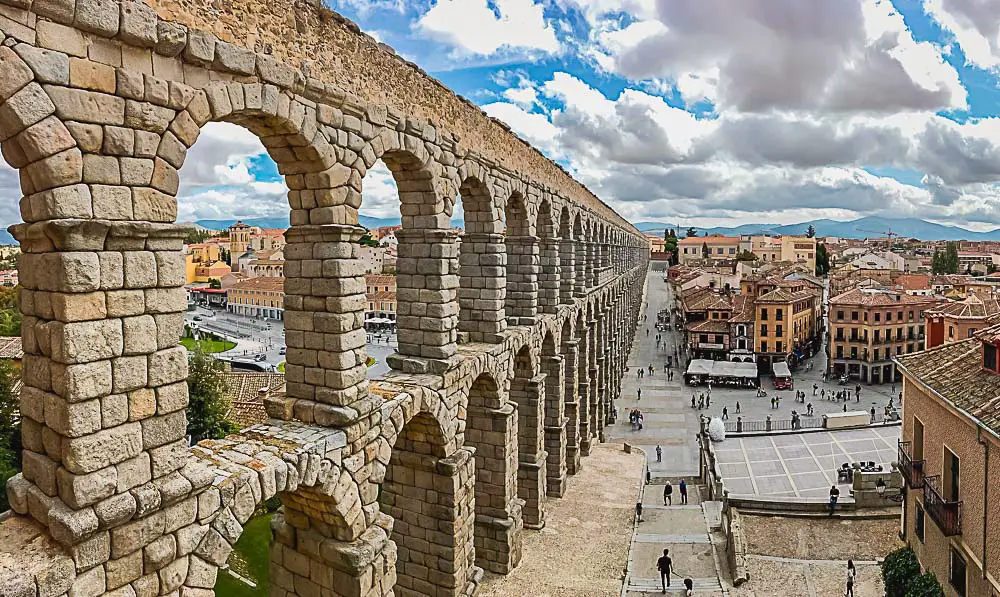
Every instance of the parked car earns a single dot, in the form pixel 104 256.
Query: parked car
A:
pixel 197 318
pixel 281 350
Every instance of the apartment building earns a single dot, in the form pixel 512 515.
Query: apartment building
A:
pixel 869 326
pixel 258 297
pixel 959 320
pixel 714 248
pixel 785 326
pixel 949 455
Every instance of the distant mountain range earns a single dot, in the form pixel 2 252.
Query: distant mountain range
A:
pixel 282 222
pixel 867 227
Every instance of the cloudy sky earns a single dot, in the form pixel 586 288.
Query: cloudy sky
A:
pixel 701 112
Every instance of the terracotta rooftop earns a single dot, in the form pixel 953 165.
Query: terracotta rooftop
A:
pixel 10 348
pixel 784 295
pixel 972 307
pixel 243 394
pixel 717 326
pixel 914 281
pixel 261 283
pixel 712 240
pixel 380 280
pixel 862 298
pixel 743 309
pixel 954 371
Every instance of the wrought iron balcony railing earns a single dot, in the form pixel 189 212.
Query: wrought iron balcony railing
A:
pixel 946 514
pixel 912 470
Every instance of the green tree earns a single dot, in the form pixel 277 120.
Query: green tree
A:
pixel 10 429
pixel 810 232
pixel 670 245
pixel 214 283
pixel 10 315
pixel 368 241
pixel 902 578
pixel 207 407
pixel 822 260
pixel 197 235
pixel 704 250
pixel 224 256
pixel 746 256
pixel 925 585
pixel 936 266
pixel 691 232
pixel 951 258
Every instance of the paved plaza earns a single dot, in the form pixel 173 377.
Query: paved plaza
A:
pixel 800 464
pixel 670 422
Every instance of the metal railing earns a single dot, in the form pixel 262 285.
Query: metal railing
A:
pixel 946 514
pixel 782 424
pixel 912 470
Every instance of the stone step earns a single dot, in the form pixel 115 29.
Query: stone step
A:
pixel 652 585
pixel 672 539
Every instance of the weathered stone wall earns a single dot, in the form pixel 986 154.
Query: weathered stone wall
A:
pixel 505 371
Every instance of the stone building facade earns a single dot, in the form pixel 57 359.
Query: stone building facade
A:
pixel 511 346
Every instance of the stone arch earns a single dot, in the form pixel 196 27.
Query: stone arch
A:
pixel 569 350
pixel 549 270
pixel 567 258
pixel 482 260
pixel 554 417
pixel 428 491
pixel 527 392
pixel 521 246
pixel 579 256
pixel 492 431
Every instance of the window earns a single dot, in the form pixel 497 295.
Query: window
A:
pixel 918 439
pixel 876 354
pixel 840 315
pixel 763 346
pixel 951 476
pixel 972 332
pixel 918 523
pixel 719 339
pixel 878 317
pixel 715 314
pixel 763 330
pixel 779 314
pixel 951 331
pixel 703 338
pixel 854 315
pixel 989 357
pixel 778 330
pixel 763 314
pixel 779 347
pixel 840 352
pixel 718 251
pixel 876 337
pixel 956 572
pixel 854 352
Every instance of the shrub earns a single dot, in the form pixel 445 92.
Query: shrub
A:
pixel 902 577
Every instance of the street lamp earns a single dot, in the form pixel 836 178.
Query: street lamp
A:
pixel 880 487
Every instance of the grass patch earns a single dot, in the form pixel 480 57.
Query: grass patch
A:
pixel 281 367
pixel 208 346
pixel 250 560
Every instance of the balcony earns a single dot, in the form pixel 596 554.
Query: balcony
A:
pixel 947 515
pixel 912 470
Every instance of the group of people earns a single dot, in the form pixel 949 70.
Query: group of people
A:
pixel 666 567
pixel 635 419
pixel 704 400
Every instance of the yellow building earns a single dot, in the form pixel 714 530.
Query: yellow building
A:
pixel 257 297
pixel 204 252
pixel 204 272
pixel 786 326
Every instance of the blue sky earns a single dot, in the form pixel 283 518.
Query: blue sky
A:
pixel 702 112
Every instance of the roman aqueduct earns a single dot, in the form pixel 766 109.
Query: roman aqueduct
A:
pixel 512 338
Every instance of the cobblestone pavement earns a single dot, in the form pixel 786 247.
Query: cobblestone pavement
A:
pixel 808 557
pixel 581 551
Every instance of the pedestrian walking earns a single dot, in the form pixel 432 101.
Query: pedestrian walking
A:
pixel 649 475
pixel 815 388
pixel 665 565
pixel 892 388
pixel 668 491
pixel 659 453
pixel 692 401
pixel 638 394
pixel 684 491
pixel 852 573
pixel 737 407
pixel 725 413
pixel 834 496
pixel 638 512
pixel 708 398
pixel 873 414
